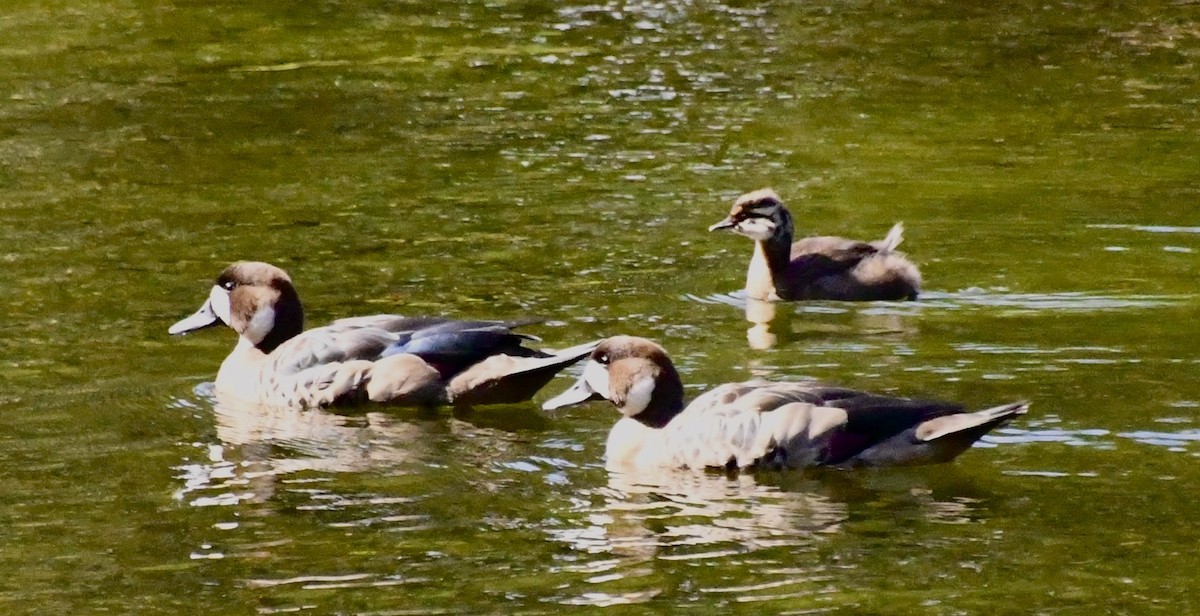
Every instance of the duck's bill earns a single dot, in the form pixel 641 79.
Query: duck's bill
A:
pixel 728 223
pixel 204 317
pixel 215 310
pixel 579 393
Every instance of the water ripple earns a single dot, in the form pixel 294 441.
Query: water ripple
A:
pixel 1177 441
pixel 1148 228
pixel 1074 301
pixel 967 299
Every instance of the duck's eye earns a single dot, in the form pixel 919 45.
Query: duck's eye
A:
pixel 602 359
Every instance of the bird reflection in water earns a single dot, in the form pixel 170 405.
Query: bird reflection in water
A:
pixel 760 314
pixel 258 445
pixel 787 521
pixel 773 323
pixel 643 513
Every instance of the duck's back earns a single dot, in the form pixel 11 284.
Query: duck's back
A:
pixel 828 267
pixel 838 248
pixel 762 424
pixel 734 425
pixel 404 360
pixel 343 340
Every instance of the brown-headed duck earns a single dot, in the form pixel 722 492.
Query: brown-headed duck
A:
pixel 762 424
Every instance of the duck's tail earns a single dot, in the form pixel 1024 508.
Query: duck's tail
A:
pixel 893 239
pixel 953 434
pixel 506 379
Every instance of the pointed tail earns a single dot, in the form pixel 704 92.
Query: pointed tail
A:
pixel 505 379
pixel 966 428
pixel 892 239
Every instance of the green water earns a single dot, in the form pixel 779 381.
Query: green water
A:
pixel 504 159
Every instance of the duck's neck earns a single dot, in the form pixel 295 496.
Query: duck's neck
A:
pixel 665 402
pixel 289 320
pixel 768 266
pixel 238 375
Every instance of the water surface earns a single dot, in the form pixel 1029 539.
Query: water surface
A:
pixel 505 159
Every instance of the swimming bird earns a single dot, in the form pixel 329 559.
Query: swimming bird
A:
pixel 763 424
pixel 823 267
pixel 415 361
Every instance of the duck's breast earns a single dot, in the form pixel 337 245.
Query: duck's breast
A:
pixel 632 444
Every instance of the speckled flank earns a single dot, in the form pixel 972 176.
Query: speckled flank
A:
pixel 765 424
pixel 380 358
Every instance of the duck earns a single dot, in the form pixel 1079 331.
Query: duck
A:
pixel 815 268
pixel 383 358
pixel 762 424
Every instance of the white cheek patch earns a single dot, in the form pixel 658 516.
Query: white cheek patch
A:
pixel 259 325
pixel 218 301
pixel 759 229
pixel 638 397
pixel 595 375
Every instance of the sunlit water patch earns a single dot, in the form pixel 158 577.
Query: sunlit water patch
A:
pixel 501 158
pixel 1149 228
pixel 1043 430
pixel 258 446
pixel 689 520
pixel 705 523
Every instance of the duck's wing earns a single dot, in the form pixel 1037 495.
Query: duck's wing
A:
pixel 401 324
pixel 839 268
pixel 450 345
pixel 769 395
pixel 757 423
pixel 330 365
pixel 390 322
pixel 340 342
pixel 454 346
pixel 813 258
pixel 898 431
pixel 873 419
pixel 791 425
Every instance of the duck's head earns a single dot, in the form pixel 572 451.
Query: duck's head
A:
pixel 635 374
pixel 758 215
pixel 256 300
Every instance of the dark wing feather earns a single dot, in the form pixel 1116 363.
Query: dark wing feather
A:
pixel 453 346
pixel 450 345
pixel 872 419
pixel 815 258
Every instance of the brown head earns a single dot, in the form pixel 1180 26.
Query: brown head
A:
pixel 758 215
pixel 635 374
pixel 256 300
